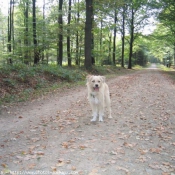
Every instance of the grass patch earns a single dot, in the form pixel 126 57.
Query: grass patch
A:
pixel 170 72
pixel 165 68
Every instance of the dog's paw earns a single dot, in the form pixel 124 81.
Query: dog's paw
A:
pixel 93 120
pixel 100 119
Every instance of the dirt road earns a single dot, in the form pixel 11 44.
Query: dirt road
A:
pixel 55 136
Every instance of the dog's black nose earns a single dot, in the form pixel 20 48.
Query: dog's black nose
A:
pixel 96 85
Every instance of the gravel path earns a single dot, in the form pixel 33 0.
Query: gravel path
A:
pixel 55 136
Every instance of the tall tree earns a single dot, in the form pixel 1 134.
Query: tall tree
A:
pixel 68 35
pixel 26 32
pixel 60 35
pixel 123 33
pixel 44 31
pixel 101 33
pixel 10 27
pixel 88 34
pixel 77 61
pixel 13 33
pixel 3 34
pixel 131 37
pixel 138 13
pixel 92 40
pixel 36 50
pixel 109 48
pixel 166 17
pixel 114 39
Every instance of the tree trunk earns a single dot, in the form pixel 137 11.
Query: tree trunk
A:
pixel 36 51
pixel 68 36
pixel 9 45
pixel 123 35
pixel 13 36
pixel 44 33
pixel 77 49
pixel 101 36
pixel 92 39
pixel 77 61
pixel 60 35
pixel 109 53
pixel 131 39
pixel 92 49
pixel 174 54
pixel 114 39
pixel 26 33
pixel 88 34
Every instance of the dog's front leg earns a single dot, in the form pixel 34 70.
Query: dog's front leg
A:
pixel 101 113
pixel 94 112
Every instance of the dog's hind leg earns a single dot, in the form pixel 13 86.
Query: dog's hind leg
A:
pixel 109 111
pixel 108 105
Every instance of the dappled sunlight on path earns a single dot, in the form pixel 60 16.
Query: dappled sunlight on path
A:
pixel 153 66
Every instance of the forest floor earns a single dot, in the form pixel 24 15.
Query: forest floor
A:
pixel 54 135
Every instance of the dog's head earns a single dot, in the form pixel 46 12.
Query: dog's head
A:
pixel 95 82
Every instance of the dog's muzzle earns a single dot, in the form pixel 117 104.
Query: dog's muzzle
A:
pixel 96 88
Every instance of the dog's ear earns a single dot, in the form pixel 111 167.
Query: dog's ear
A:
pixel 89 77
pixel 103 78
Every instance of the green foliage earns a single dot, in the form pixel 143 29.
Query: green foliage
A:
pixel 103 26
pixel 140 57
pixel 165 68
pixel 20 81
pixel 9 82
pixel 63 73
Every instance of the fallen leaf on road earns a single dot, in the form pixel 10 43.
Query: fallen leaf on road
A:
pixel 31 166
pixel 40 153
pixel 82 147
pixel 129 144
pixel 4 165
pixel 54 168
pixel 156 150
pixel 154 166
pixel 122 168
pixel 166 163
pixel 65 145
pixel 60 163
pixel 113 153
pixel 73 168
pixel 94 172
pixel 35 139
pixel 142 159
pixel 142 151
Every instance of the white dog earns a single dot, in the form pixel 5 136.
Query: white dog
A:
pixel 98 96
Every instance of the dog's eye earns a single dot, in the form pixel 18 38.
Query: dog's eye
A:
pixel 93 81
pixel 99 81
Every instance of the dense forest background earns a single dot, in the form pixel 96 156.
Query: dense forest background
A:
pixel 87 32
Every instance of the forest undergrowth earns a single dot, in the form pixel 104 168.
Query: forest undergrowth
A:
pixel 20 82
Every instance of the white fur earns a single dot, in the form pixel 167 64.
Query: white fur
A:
pixel 98 96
